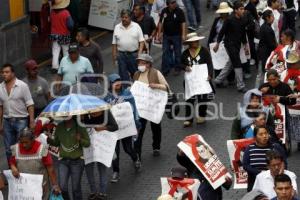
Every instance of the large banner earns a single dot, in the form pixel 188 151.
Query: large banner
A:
pixel 278 112
pixel 123 115
pixel 205 159
pixel 219 58
pixel 180 189
pixel 27 186
pixel 236 150
pixel 102 147
pixel 196 82
pixel 150 103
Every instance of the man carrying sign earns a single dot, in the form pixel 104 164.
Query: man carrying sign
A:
pixel 147 74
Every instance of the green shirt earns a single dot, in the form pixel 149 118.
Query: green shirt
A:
pixel 65 139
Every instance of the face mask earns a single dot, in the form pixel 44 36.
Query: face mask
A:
pixel 142 68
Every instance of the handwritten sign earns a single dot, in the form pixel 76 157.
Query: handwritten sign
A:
pixel 123 115
pixel 205 159
pixel 236 150
pixel 102 147
pixel 27 186
pixel 180 189
pixel 196 82
pixel 219 58
pixel 150 103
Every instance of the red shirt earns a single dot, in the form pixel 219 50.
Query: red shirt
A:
pixel 59 22
pixel 47 160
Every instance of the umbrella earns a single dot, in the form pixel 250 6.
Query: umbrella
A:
pixel 74 104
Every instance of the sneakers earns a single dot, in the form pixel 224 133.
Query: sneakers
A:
pixel 102 196
pixel 187 124
pixel 156 152
pixel 200 120
pixel 243 90
pixel 137 165
pixel 115 177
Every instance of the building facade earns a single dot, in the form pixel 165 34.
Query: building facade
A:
pixel 15 38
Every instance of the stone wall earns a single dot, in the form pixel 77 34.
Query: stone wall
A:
pixel 15 42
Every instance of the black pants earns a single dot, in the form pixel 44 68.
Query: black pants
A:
pixel 252 47
pixel 127 144
pixel 156 136
pixel 202 107
pixel 289 20
pixel 233 53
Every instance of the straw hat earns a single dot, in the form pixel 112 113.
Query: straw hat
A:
pixel 192 37
pixel 224 8
pixel 293 57
pixel 60 4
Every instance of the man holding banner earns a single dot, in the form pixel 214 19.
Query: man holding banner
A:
pixel 197 58
pixel 148 75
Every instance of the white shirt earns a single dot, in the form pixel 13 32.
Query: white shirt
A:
pixel 128 38
pixel 15 104
pixel 265 183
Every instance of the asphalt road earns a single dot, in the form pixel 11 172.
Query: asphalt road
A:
pixel 145 185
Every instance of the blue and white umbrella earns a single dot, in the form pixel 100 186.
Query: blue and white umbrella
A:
pixel 74 104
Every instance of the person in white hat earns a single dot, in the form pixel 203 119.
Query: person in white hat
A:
pixel 61 27
pixel 196 54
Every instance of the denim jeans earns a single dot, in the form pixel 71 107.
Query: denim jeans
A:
pixel 127 65
pixel 90 173
pixel 70 168
pixel 193 10
pixel 169 52
pixel 127 144
pixel 12 128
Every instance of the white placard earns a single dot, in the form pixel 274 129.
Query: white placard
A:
pixel 150 103
pixel 186 185
pixel 102 147
pixel 244 58
pixel 219 58
pixel 1 196
pixel 27 186
pixel 196 82
pixel 123 115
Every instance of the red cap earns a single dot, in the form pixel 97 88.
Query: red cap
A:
pixel 30 64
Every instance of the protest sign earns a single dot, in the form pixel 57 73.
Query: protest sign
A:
pixel 236 150
pixel 52 149
pixel 123 115
pixel 102 147
pixel 219 58
pixel 196 82
pixel 278 112
pixel 180 189
pixel 205 159
pixel 27 186
pixel 244 58
pixel 150 103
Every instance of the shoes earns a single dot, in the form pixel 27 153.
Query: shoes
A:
pixel 93 196
pixel 200 120
pixel 243 90
pixel 192 29
pixel 156 152
pixel 115 177
pixel 102 196
pixel 137 165
pixel 187 124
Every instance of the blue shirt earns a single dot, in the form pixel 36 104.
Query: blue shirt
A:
pixel 71 71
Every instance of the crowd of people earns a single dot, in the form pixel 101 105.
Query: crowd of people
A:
pixel 264 31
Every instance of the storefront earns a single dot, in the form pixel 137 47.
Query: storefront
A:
pixel 15 38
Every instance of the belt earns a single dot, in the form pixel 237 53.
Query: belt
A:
pixel 128 52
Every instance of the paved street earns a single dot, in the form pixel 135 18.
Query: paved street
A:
pixel 145 185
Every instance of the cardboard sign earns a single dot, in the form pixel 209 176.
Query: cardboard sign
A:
pixel 205 159
pixel 102 147
pixel 236 150
pixel 27 186
pixel 219 58
pixel 180 189
pixel 196 82
pixel 150 103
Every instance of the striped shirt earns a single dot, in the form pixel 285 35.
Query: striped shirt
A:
pixel 257 156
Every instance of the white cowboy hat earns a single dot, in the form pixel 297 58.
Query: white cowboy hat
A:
pixel 192 37
pixel 60 4
pixel 224 8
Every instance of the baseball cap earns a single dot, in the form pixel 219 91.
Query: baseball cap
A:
pixel 73 48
